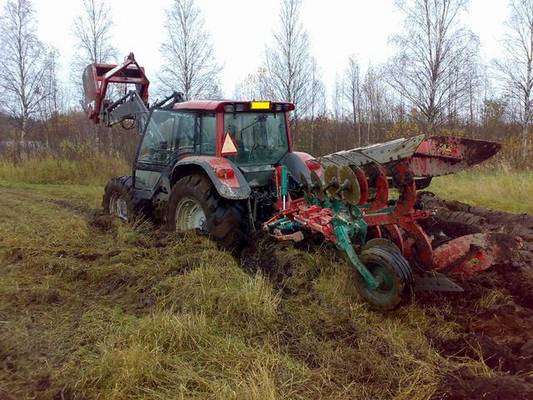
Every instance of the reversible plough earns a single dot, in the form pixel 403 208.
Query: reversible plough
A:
pixel 365 202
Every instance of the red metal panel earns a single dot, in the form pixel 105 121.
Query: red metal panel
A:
pixel 98 77
pixel 469 254
pixel 396 236
pixel 223 169
pixel 218 105
pixel 363 184
pixel 219 132
pixel 382 189
pixel 441 155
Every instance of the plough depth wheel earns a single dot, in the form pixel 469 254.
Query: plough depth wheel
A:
pixel 393 273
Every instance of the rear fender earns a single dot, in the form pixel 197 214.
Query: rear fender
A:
pixel 227 179
pixel 299 163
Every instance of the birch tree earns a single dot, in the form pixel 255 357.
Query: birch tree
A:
pixel 50 107
pixel 353 94
pixel 516 68
pixel 337 98
pixel 379 107
pixel 189 65
pixel 317 101
pixel 288 61
pixel 92 30
pixel 255 86
pixel 433 57
pixel 23 64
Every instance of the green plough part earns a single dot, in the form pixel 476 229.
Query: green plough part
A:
pixel 349 225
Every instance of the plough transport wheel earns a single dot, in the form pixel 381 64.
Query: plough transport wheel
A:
pixel 393 273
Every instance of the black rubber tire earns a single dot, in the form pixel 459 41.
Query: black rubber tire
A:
pixel 422 183
pixel 121 186
pixel 387 261
pixel 225 219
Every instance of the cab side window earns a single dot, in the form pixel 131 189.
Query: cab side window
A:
pixel 171 134
pixel 157 142
pixel 184 132
pixel 208 134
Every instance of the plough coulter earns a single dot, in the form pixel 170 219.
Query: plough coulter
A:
pixel 228 167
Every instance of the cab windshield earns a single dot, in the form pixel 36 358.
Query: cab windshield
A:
pixel 260 137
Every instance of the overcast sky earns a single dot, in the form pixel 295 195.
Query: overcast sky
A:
pixel 240 29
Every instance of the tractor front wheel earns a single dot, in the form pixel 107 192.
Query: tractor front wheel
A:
pixel 194 204
pixel 118 199
pixel 393 273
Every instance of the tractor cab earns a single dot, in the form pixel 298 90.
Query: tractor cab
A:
pixel 253 135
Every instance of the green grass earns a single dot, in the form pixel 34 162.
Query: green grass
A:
pixel 504 190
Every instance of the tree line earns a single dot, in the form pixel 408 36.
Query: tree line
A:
pixel 434 83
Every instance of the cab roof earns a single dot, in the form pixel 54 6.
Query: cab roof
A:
pixel 239 105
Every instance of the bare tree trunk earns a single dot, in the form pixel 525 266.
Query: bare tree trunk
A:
pixel 22 138
pixel 525 142
pixel 359 125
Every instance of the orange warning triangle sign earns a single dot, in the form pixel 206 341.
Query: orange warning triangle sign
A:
pixel 229 148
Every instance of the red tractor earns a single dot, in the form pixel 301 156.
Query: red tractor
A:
pixel 228 168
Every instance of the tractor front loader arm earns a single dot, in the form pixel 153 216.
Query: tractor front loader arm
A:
pixel 128 85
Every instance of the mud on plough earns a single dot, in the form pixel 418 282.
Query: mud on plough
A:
pixel 348 199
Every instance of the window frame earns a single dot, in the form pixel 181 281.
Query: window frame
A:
pixel 198 137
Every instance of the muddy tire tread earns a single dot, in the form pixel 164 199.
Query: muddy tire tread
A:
pixel 122 185
pixel 225 218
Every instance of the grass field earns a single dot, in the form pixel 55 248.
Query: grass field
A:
pixel 95 309
pixel 499 189
pixel 109 311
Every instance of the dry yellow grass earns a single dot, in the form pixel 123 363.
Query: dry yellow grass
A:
pixel 95 169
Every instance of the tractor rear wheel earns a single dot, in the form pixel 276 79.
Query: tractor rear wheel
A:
pixel 393 273
pixel 194 204
pixel 118 198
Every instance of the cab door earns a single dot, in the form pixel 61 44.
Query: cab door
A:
pixel 170 136
pixel 154 151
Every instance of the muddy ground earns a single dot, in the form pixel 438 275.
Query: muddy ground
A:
pixel 502 330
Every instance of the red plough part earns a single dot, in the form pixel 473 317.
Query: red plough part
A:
pixel 348 202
